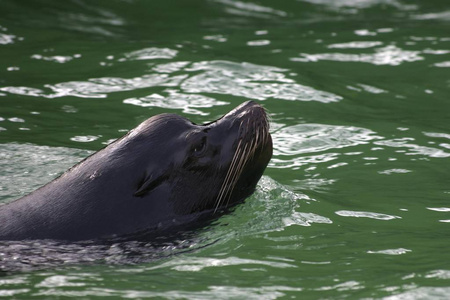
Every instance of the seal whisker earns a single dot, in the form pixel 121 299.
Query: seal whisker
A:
pixel 257 137
pixel 227 176
pixel 242 161
pixel 227 184
pixel 235 174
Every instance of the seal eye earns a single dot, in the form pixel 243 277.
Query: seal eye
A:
pixel 200 147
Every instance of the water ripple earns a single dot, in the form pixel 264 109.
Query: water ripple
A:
pixel 213 292
pixel 441 274
pixel 344 286
pixel 437 135
pixel 398 251
pixel 440 16
pixel 356 45
pixel 413 149
pixel 439 209
pixel 170 67
pixel 341 5
pixel 394 171
pixel 321 141
pixel 98 87
pixel 250 9
pixel 195 264
pixel 151 53
pixel 295 162
pixel 22 90
pixel 313 138
pixel 366 214
pixel 7 38
pixel 217 38
pixel 444 64
pixel 175 100
pixel 258 43
pixel 415 292
pixel 250 81
pixel 64 280
pixel 55 58
pixel 211 77
pixel 305 219
pixel 85 138
pixel 389 55
pixel 18 161
pixel 95 20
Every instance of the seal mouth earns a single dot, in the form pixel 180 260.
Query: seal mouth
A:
pixel 251 156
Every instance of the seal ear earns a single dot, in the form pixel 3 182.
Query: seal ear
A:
pixel 149 183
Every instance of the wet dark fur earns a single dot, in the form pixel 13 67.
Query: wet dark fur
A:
pixel 162 173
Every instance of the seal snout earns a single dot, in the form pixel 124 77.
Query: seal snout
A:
pixel 249 107
pixel 252 151
pixel 253 122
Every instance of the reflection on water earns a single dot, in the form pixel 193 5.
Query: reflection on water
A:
pixel 151 53
pixel 397 251
pixel 211 77
pixel 358 94
pixel 389 55
pixel 291 143
pixel 26 167
pixel 413 149
pixel 250 9
pixel 194 264
pixel 313 138
pixel 352 6
pixel 366 214
pixel 56 58
pixel 305 219
pixel 97 87
pixel 7 38
pixel 187 103
pixel 213 291
pixel 91 19
pixel 440 16
pixel 356 45
pixel 416 292
pixel 250 81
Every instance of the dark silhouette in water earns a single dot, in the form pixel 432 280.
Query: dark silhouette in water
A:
pixel 162 177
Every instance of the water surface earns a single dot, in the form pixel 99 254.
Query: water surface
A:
pixel 355 202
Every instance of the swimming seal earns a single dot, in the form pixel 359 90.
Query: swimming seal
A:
pixel 166 170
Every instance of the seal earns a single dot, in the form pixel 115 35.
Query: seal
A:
pixel 166 171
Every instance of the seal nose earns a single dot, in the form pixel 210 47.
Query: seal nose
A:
pixel 246 113
pixel 246 106
pixel 249 107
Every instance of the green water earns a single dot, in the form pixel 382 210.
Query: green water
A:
pixel 356 200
